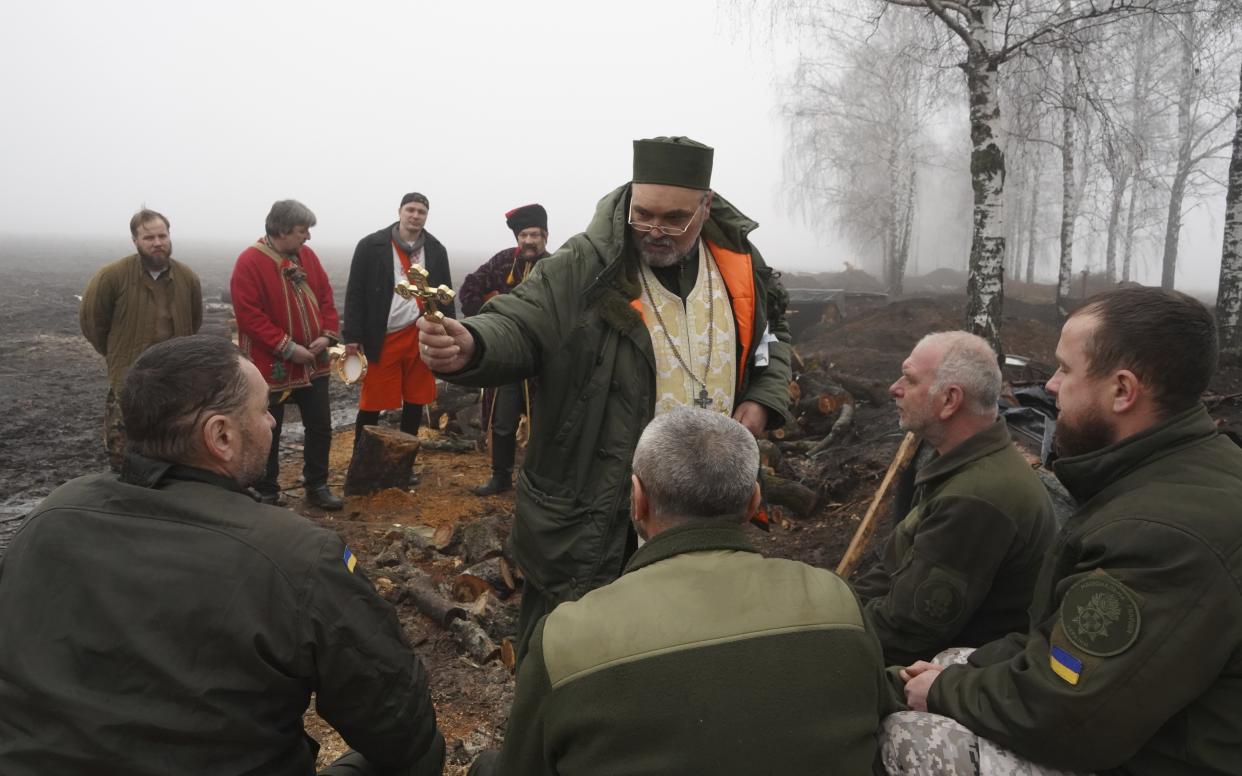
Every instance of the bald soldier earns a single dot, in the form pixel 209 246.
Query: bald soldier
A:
pixel 1133 661
pixel 959 569
pixel 663 302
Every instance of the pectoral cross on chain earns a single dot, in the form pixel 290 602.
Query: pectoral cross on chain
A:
pixel 704 401
pixel 416 287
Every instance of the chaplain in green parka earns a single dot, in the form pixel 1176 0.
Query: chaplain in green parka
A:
pixel 661 303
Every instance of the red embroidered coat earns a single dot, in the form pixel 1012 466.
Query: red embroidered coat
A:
pixel 279 304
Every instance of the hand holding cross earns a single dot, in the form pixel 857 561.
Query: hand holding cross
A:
pixel 416 287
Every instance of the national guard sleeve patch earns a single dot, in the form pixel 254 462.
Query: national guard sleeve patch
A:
pixel 1100 616
pixel 350 560
pixel 939 599
pixel 1065 665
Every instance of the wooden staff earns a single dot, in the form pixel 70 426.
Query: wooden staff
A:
pixel 905 453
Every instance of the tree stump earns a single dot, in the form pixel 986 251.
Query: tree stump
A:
pixel 383 458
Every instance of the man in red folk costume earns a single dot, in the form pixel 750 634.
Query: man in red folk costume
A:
pixel 286 321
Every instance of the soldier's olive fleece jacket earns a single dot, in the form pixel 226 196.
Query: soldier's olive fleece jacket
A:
pixel 165 624
pixel 958 571
pixel 703 658
pixel 1133 664
pixel 571 324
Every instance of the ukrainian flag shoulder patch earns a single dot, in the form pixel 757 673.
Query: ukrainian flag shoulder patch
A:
pixel 1065 665
pixel 350 560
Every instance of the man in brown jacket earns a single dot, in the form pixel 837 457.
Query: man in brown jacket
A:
pixel 133 303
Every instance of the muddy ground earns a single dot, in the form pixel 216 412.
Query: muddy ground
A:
pixel 52 385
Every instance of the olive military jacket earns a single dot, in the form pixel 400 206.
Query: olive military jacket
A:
pixel 1133 663
pixel 166 624
pixel 118 311
pixel 958 571
pixel 703 658
pixel 572 324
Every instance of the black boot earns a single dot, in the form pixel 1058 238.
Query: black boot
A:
pixel 501 481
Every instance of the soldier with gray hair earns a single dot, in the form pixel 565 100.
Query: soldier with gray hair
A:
pixel 703 657
pixel 959 569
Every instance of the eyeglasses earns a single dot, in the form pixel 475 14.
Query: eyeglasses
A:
pixel 671 231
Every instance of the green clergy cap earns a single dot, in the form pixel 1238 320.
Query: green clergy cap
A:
pixel 673 161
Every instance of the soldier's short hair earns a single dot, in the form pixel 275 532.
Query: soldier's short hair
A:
pixel 173 386
pixel 142 217
pixel 1166 338
pixel 286 215
pixel 969 362
pixel 696 464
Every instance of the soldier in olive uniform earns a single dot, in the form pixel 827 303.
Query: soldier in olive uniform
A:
pixel 163 623
pixel 1133 662
pixel 959 569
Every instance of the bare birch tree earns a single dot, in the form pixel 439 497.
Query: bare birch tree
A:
pixel 993 32
pixel 1229 289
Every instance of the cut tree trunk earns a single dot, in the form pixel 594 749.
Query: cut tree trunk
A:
pixel 482 539
pixel 843 422
pixel 471 637
pixel 422 591
pixel 798 498
pixel 493 576
pixel 769 454
pixel 383 458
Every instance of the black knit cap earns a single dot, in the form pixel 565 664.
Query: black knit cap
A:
pixel 525 217
pixel 673 161
pixel 414 196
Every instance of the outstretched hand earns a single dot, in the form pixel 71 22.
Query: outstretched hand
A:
pixel 445 346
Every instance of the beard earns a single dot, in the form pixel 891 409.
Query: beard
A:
pixel 658 251
pixel 155 262
pixel 253 463
pixel 1081 436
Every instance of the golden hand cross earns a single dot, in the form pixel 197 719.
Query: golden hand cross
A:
pixel 416 287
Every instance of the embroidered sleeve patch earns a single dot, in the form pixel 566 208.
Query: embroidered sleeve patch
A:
pixel 1065 665
pixel 350 560
pixel 938 601
pixel 1100 616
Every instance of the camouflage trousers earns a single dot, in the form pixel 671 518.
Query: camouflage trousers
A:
pixel 114 430
pixel 916 743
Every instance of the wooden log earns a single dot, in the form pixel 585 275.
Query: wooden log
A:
pixel 508 654
pixel 875 392
pixel 843 422
pixel 798 499
pixel 447 537
pixel 795 392
pixel 383 458
pixel 769 454
pixel 422 591
pixel 787 434
pixel 467 588
pixel 858 544
pixel 482 539
pixel 496 572
pixel 471 637
pixel 448 445
pixel 499 619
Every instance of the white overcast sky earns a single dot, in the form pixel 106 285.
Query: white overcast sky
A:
pixel 210 111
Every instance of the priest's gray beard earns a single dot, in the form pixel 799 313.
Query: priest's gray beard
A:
pixel 661 251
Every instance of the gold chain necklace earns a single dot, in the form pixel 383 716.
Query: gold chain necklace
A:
pixel 703 400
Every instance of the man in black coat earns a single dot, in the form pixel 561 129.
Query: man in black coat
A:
pixel 380 323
